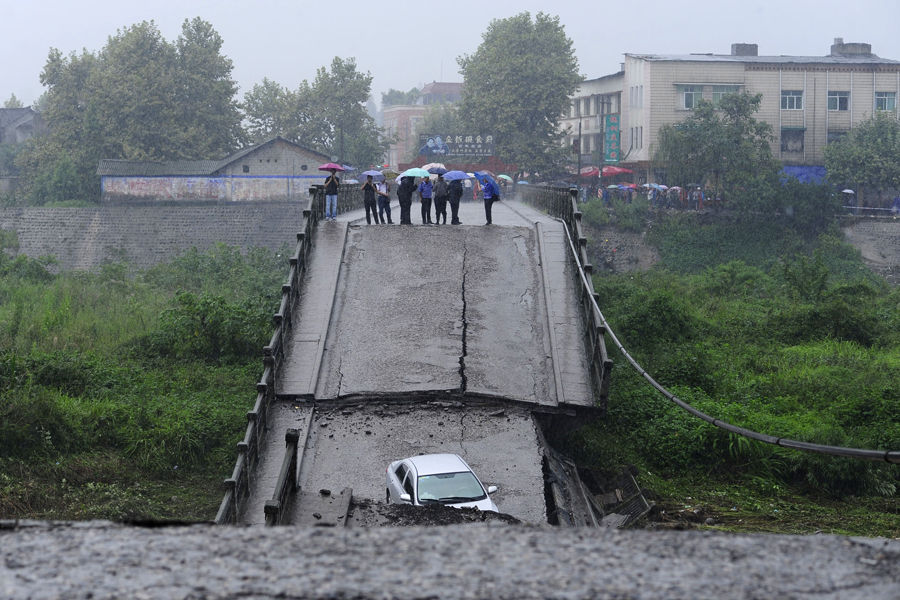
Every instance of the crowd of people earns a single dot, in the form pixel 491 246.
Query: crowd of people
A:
pixel 438 193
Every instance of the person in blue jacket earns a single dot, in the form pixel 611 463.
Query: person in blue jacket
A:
pixel 491 193
pixel 425 193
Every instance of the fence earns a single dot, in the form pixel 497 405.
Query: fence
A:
pixel 562 203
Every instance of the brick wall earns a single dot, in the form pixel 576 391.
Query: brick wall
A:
pixel 85 238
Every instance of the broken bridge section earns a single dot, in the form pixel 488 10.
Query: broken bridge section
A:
pixel 449 309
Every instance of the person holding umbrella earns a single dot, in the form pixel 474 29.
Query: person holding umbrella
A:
pixel 331 190
pixel 456 192
pixel 369 193
pixel 404 195
pixel 441 192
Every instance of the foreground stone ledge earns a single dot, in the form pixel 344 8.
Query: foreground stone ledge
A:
pixel 105 560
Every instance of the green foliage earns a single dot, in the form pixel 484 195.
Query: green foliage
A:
pixel 812 207
pixel 139 98
pixel 328 115
pixel 517 84
pixel 13 102
pixel 868 157
pixel 89 429
pixel 796 345
pixel 725 148
pixel 395 97
pixel 209 328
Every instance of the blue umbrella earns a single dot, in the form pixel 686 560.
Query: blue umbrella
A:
pixel 454 175
pixel 437 171
pixel 376 175
pixel 523 182
pixel 482 177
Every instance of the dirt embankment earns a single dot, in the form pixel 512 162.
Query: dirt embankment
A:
pixel 878 241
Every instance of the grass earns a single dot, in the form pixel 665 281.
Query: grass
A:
pixel 768 326
pixel 112 404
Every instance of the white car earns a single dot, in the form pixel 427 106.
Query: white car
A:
pixel 437 478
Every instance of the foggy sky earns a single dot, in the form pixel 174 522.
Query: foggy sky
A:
pixel 403 44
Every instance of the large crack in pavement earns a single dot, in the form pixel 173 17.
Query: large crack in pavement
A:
pixel 463 383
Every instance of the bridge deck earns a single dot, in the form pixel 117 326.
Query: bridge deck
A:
pixel 441 308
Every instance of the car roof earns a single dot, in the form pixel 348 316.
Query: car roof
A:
pixel 431 464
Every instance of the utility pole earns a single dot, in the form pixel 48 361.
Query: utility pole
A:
pixel 578 172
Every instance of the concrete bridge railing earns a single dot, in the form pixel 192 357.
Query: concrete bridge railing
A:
pixel 562 203
pixel 237 487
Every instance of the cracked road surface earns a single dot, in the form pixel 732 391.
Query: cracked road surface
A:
pixel 439 309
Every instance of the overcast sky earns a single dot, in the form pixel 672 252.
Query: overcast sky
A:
pixel 406 44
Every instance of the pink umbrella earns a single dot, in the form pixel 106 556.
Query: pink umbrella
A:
pixel 330 166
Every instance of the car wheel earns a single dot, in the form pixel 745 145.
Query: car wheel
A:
pixel 387 496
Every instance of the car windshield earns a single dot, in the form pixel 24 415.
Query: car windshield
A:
pixel 450 488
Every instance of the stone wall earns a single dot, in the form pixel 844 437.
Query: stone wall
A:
pixel 142 236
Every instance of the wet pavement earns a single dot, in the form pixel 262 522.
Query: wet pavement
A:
pixel 101 560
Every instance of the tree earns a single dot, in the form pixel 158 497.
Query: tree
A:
pixel 395 97
pixel 328 115
pixel 140 98
pixel 517 86
pixel 724 147
pixel 13 102
pixel 867 158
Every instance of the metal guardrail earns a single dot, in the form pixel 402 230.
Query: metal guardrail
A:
pixel 890 456
pixel 562 204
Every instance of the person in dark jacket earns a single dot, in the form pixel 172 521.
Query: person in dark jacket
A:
pixel 331 190
pixel 369 193
pixel 441 193
pixel 491 193
pixel 426 190
pixel 456 192
pixel 404 195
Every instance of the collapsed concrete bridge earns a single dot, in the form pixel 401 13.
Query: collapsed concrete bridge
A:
pixel 398 340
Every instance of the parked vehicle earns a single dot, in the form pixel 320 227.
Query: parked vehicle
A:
pixel 437 479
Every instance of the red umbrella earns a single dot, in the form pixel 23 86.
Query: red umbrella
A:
pixel 330 166
pixel 610 170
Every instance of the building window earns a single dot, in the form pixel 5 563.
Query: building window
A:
pixel 835 135
pixel 838 101
pixel 885 101
pixel 791 100
pixel 721 90
pixel 691 94
pixel 792 140
pixel 245 168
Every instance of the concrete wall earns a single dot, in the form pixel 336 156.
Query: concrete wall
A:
pixel 85 238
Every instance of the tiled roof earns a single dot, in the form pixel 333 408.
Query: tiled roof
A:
pixel 146 168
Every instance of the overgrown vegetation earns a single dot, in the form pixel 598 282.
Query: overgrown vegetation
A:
pixel 122 396
pixel 774 325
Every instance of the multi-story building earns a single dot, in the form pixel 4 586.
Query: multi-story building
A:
pixel 808 100
pixel 402 121
pixel 592 125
